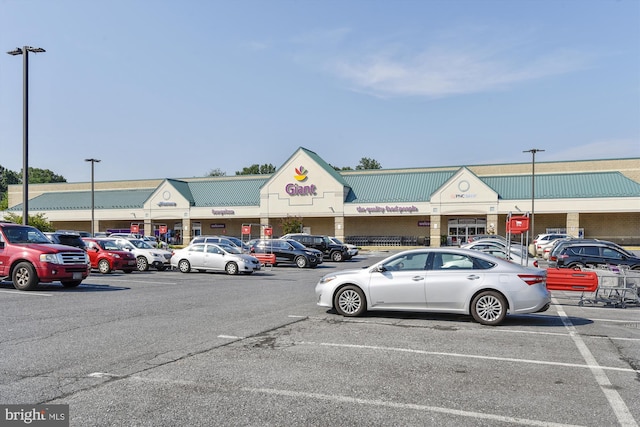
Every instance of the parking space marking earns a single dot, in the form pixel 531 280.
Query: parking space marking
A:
pixel 410 406
pixel 468 356
pixel 34 294
pixel 624 416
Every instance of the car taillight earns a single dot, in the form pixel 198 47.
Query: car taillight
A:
pixel 531 279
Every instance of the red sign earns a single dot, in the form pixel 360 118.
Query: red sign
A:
pixel 246 229
pixel 162 229
pixel 135 228
pixel 518 224
pixel 268 231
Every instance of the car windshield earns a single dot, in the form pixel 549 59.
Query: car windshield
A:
pixel 297 244
pixel 140 244
pixel 125 244
pixel 108 245
pixel 25 234
pixel 231 249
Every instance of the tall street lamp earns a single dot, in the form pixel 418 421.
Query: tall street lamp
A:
pixel 24 51
pixel 533 152
pixel 93 162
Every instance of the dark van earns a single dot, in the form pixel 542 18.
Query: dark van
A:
pixel 329 249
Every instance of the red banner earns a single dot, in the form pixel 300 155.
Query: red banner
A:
pixel 246 229
pixel 268 231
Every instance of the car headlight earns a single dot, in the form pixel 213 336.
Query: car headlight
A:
pixel 50 258
pixel 327 279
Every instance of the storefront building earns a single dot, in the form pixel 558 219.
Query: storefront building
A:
pixel 418 206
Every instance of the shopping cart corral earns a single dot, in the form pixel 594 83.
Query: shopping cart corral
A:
pixel 609 285
pixel 618 286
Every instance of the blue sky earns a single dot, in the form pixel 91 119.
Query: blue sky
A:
pixel 171 89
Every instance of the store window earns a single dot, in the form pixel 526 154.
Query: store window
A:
pixel 461 228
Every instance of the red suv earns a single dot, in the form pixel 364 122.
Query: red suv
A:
pixel 106 256
pixel 28 257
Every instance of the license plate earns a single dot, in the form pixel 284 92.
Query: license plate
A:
pixel 77 276
pixel 132 262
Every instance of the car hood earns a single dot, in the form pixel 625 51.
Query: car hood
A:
pixel 47 247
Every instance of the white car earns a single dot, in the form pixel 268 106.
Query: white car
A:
pixel 214 257
pixel 536 246
pixel 352 250
pixel 443 280
pixel 146 255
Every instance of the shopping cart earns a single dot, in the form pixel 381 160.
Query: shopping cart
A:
pixel 618 286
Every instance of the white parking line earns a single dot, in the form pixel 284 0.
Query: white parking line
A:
pixel 411 406
pixel 469 356
pixel 33 294
pixel 625 418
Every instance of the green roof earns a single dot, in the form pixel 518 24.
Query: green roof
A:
pixel 385 187
pixel 564 186
pixel 227 192
pixel 77 200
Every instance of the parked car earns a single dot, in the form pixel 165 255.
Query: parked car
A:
pixel 288 252
pixel 64 237
pixel 146 255
pixel 351 249
pixel 482 244
pixel 512 256
pixel 475 283
pixel 548 247
pixel 330 250
pixel 535 248
pixel 581 253
pixel 106 256
pixel 214 257
pixel 28 258
pixel 223 240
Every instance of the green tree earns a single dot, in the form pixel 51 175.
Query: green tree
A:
pixel 38 221
pixel 257 169
pixel 43 176
pixel 217 172
pixel 291 224
pixel 367 163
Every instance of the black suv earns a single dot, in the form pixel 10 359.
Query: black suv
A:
pixel 580 253
pixel 288 251
pixel 330 250
pixel 69 238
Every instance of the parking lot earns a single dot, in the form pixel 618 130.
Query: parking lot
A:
pixel 167 348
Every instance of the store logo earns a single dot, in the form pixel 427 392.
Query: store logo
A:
pixel 301 174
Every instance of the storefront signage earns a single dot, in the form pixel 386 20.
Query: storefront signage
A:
pixel 223 212
pixel 424 223
pixel 385 209
pixel 217 226
pixel 161 204
pixel 294 189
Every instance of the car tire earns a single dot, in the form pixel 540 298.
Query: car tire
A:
pixel 24 277
pixel 350 301
pixel 142 263
pixel 104 267
pixel 71 283
pixel 576 266
pixel 231 268
pixel 301 262
pixel 489 308
pixel 184 266
pixel 337 256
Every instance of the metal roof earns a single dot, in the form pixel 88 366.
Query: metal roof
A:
pixel 564 186
pixel 227 192
pixel 76 200
pixel 385 187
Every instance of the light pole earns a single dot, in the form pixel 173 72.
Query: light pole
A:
pixel 24 51
pixel 533 152
pixel 93 162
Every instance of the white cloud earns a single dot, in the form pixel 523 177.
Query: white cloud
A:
pixel 439 72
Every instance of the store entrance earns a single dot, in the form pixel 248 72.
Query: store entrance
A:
pixel 461 228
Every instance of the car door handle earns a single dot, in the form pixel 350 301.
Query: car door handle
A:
pixel 472 277
pixel 417 278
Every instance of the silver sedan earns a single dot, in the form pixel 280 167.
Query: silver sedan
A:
pixel 214 257
pixel 446 280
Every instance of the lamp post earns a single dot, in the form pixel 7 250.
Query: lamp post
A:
pixel 24 51
pixel 93 162
pixel 533 152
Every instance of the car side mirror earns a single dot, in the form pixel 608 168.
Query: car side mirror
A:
pixel 380 269
pixel 1 245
